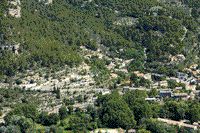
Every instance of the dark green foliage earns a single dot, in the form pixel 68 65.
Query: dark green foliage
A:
pixel 136 102
pixel 80 98
pixel 174 110
pixel 12 129
pixel 115 112
pixel 55 129
pixel 48 120
pixel 173 84
pixel 143 131
pixel 135 65
pixel 153 92
pixel 63 113
pixel 133 77
pixel 155 126
pixel 18 81
pixel 144 82
pixel 70 110
pixel 155 110
pixel 80 123
pixel 58 93
pixel 193 112
pixel 157 78
pixel 29 111
pixel 191 3
pixel 198 88
pixel 68 101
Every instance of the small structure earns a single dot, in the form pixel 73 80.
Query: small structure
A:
pixel 147 76
pixel 131 131
pixel 47 1
pixel 180 124
pixel 151 99
pixel 194 66
pixel 126 88
pixel 14 48
pixel 155 85
pixel 174 79
pixel 166 93
pixel 180 96
pixel 190 87
pixel 181 75
pixel 180 57
pixel 163 83
pixel 104 92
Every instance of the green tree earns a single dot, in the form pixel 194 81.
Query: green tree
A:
pixel 80 98
pixel 30 111
pixel 58 93
pixel 176 111
pixel 22 122
pixel 16 111
pixel 144 82
pixel 63 112
pixel 1 113
pixel 153 92
pixel 134 65
pixel 79 123
pixel 133 77
pixel 70 110
pixel 116 113
pixel 136 102
pixel 55 129
pixel 52 119
pixel 12 129
pixel 193 112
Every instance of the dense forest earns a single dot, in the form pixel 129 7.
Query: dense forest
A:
pixel 50 35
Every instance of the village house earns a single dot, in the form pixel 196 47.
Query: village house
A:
pixel 147 76
pixel 180 96
pixel 47 1
pixel 104 92
pixel 180 57
pixel 113 75
pixel 197 93
pixel 190 87
pixel 194 66
pixel 111 66
pixel 181 75
pixel 151 99
pixel 173 59
pixel 165 93
pixel 127 88
pixel 128 82
pixel 140 75
pixel 123 70
pixel 131 131
pixel 155 85
pixel 16 12
pixel 163 83
pixel 122 65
